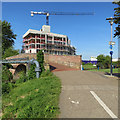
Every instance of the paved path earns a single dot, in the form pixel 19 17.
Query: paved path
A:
pixel 88 94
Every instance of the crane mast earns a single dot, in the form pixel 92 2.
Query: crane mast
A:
pixel 47 13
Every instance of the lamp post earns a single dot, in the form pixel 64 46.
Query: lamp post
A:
pixel 111 43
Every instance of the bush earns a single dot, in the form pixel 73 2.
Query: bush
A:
pixel 83 63
pixel 31 72
pixel 6 74
pixel 89 64
pixel 6 80
pixel 115 64
pixel 22 78
pixel 46 73
pixel 103 61
pixel 6 87
pixel 40 59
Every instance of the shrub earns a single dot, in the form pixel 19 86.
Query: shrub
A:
pixel 116 64
pixel 6 87
pixel 40 59
pixel 31 72
pixel 22 78
pixel 83 63
pixel 6 74
pixel 46 73
pixel 103 61
pixel 6 79
pixel 89 64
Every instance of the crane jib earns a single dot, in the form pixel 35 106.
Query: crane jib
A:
pixel 47 13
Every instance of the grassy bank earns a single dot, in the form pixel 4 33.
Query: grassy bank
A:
pixel 37 98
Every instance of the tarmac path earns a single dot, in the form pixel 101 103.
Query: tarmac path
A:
pixel 88 94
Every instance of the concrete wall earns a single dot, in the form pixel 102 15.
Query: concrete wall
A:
pixel 67 60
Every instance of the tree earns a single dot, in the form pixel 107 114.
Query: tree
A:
pixel 40 59
pixel 10 52
pixel 8 36
pixel 100 60
pixel 103 61
pixel 107 61
pixel 117 20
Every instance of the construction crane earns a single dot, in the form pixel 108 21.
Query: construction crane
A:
pixel 58 13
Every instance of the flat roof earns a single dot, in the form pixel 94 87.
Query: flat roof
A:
pixel 42 32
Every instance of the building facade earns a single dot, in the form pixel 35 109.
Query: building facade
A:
pixel 51 43
pixel 93 58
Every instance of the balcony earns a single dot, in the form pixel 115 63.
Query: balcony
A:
pixel 31 38
pixel 58 40
pixel 26 44
pixel 43 38
pixel 49 39
pixel 40 48
pixel 37 37
pixel 32 42
pixel 42 42
pixel 24 40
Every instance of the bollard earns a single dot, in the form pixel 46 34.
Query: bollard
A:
pixel 98 67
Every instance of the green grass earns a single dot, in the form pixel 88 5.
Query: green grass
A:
pixel 105 70
pixel 37 98
pixel 86 67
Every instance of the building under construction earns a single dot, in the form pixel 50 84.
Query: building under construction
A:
pixel 35 40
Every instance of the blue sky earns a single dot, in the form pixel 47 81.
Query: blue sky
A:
pixel 89 34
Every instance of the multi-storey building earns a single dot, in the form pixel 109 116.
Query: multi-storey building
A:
pixel 51 43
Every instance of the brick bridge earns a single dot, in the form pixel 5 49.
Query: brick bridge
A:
pixel 53 62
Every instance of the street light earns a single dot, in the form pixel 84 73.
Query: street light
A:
pixel 111 43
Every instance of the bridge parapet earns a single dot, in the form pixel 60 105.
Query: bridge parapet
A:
pixel 23 56
pixel 73 61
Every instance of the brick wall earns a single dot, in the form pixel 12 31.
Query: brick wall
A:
pixel 23 55
pixel 67 60
pixel 71 61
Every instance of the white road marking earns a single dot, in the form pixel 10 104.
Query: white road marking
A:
pixel 103 105
pixel 75 102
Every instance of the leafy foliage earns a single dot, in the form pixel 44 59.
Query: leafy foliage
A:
pixel 107 61
pixel 46 73
pixel 31 72
pixel 6 78
pixel 117 20
pixel 6 74
pixel 40 59
pixel 6 87
pixel 10 52
pixel 22 78
pixel 8 36
pixel 103 61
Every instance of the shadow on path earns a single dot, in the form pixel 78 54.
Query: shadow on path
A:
pixel 54 67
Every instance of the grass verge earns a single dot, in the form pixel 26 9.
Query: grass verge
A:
pixel 105 70
pixel 87 67
pixel 37 98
